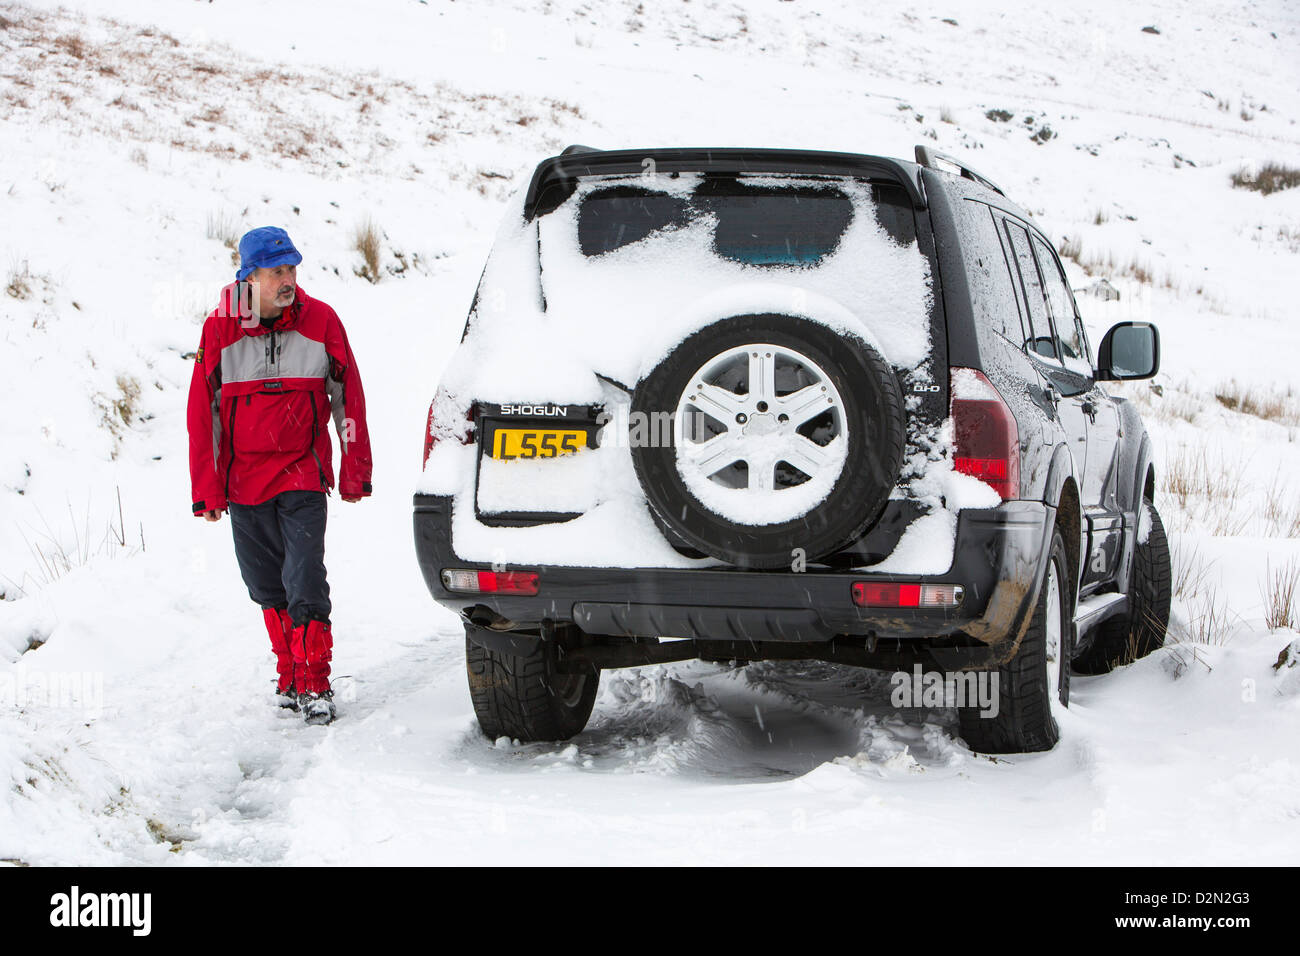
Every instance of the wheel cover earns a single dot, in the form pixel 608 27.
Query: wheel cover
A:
pixel 761 434
pixel 1053 632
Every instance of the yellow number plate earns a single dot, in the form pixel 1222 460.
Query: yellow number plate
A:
pixel 536 443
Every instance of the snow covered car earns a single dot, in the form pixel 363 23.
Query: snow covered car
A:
pixel 752 404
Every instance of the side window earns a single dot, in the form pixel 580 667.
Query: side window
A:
pixel 1074 347
pixel 989 271
pixel 1082 335
pixel 1040 338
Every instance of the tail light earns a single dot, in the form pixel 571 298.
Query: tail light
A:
pixel 986 438
pixel 489 582
pixel 428 435
pixel 430 439
pixel 898 594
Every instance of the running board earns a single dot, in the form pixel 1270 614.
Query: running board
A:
pixel 1093 610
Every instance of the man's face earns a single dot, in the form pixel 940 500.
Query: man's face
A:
pixel 275 288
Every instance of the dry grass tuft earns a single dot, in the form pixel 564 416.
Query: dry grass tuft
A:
pixel 1172 406
pixel 1210 490
pixel 118 410
pixel 1279 595
pixel 20 283
pixel 366 241
pixel 56 552
pixel 1108 265
pixel 1274 405
pixel 127 398
pixel 1270 178
pixel 1281 511
pixel 1190 570
pixel 1209 621
pixel 71 44
pixel 1190 474
pixel 225 229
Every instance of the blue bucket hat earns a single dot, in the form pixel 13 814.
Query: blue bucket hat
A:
pixel 265 248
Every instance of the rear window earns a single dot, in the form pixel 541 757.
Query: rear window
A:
pixel 758 225
pixel 648 259
pixel 621 215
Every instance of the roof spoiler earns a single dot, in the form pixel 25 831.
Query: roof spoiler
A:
pixel 933 159
pixel 556 178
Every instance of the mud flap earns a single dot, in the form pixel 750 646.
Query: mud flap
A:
pixel 1011 605
pixel 502 642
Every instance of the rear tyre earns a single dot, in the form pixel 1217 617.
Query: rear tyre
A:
pixel 1034 686
pixel 524 697
pixel 1123 639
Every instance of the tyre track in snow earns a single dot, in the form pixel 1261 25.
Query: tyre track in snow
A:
pixel 279 752
pixel 768 721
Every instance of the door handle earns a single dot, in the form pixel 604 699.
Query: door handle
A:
pixel 1090 409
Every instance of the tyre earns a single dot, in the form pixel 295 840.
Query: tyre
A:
pixel 785 435
pixel 524 697
pixel 1125 638
pixel 1034 686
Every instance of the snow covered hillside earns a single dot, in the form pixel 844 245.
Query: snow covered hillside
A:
pixel 138 143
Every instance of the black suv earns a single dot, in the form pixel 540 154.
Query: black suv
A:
pixel 756 404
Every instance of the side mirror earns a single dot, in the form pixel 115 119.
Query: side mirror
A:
pixel 1130 350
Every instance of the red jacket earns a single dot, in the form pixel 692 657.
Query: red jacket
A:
pixel 260 400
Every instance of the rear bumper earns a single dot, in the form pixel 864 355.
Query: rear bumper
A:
pixel 998 559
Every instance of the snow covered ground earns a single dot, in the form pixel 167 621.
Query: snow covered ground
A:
pixel 136 724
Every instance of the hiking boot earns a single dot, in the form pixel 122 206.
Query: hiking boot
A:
pixel 287 697
pixel 317 708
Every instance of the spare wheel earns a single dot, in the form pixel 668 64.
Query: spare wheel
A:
pixel 765 439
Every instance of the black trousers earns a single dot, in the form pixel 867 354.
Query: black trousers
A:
pixel 280 546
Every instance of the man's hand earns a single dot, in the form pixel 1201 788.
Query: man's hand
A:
pixel 351 497
pixel 212 515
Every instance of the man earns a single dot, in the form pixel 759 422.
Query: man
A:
pixel 272 365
